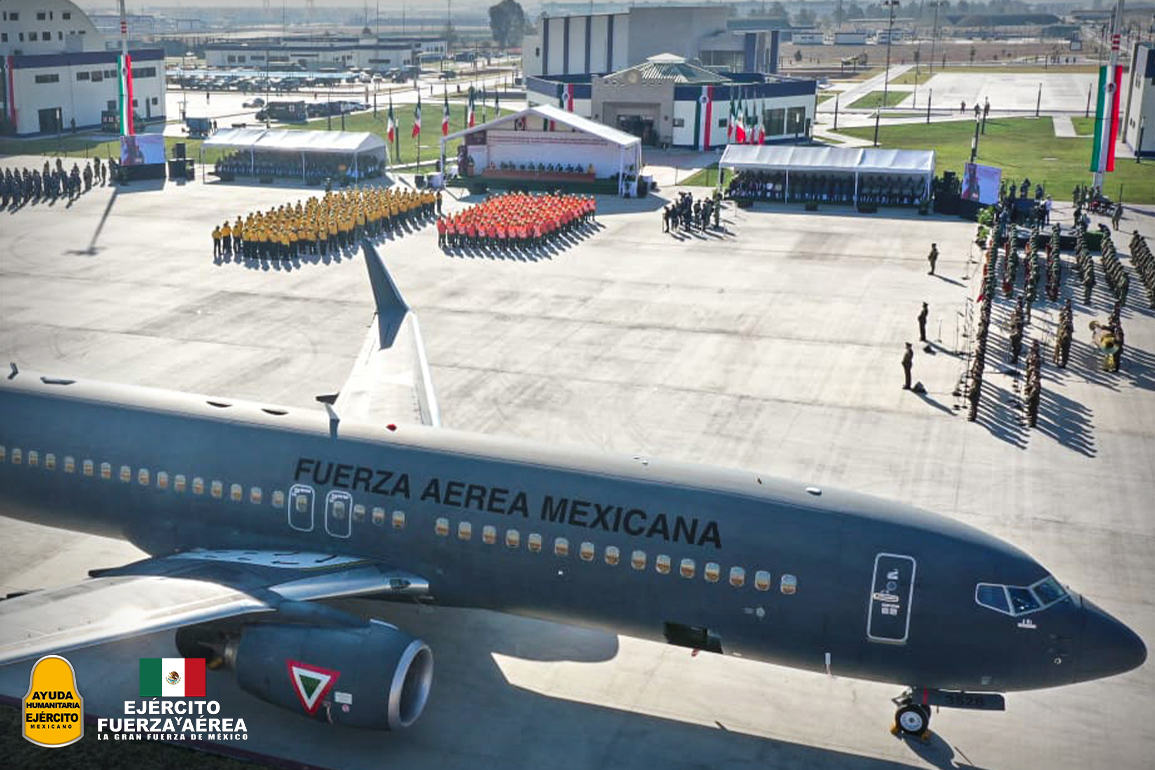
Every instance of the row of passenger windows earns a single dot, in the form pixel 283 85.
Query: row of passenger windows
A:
pixel 339 507
pixel 144 477
pixel 612 556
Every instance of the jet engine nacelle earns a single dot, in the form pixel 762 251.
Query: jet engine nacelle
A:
pixel 373 676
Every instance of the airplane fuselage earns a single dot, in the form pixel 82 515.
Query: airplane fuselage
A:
pixel 731 560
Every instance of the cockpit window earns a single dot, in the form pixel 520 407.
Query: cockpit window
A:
pixel 992 596
pixel 1020 600
pixel 1049 591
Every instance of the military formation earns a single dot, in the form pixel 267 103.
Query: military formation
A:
pixel 516 221
pixel 1144 263
pixel 334 222
pixel 22 186
pixel 1117 279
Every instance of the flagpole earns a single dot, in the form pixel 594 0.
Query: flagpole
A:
pixel 1108 97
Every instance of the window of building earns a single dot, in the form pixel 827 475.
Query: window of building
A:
pixel 686 568
pixel 3 37
pixel 489 534
pixel 713 572
pixel 236 492
pixel 775 122
pixel 67 15
pixel 662 564
pixel 679 122
pixel 737 577
pixel 377 516
pixel 143 72
pixel 638 560
pixel 513 540
pixel 156 100
pixel 97 76
pixel 788 585
pixel 398 519
pixel 53 78
pixel 796 120
pixel 441 527
pixel 161 480
pixel 125 474
pixel 59 35
pixel 41 16
pixel 13 17
pixel 561 546
pixel 83 75
pixel 256 495
pixel 464 531
pixel 613 555
pixel 586 551
pixel 359 513
pixel 69 464
pixel 142 477
pixel 762 580
pixel 721 123
pixel 32 37
pixel 45 36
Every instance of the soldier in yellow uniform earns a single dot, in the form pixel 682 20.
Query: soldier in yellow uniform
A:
pixel 216 242
pixel 239 238
pixel 227 238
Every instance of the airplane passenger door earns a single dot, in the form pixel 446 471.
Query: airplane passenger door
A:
pixel 891 593
pixel 338 507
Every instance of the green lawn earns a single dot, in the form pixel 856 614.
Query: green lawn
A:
pixel 827 96
pixel 707 177
pixel 911 78
pixel 874 99
pixel 1022 147
pixel 1084 126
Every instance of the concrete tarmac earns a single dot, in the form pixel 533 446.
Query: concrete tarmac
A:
pixel 775 345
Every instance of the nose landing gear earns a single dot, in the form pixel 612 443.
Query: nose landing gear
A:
pixel 911 718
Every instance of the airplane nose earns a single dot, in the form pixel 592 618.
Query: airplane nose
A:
pixel 1109 647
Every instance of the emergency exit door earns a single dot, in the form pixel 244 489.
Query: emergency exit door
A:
pixel 891 593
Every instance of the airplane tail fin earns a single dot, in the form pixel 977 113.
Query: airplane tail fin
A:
pixel 390 380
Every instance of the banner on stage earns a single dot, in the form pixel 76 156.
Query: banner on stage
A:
pixel 981 183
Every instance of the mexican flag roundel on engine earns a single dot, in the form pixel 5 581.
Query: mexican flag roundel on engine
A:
pixel 311 683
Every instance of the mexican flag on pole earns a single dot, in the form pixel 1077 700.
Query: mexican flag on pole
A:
pixel 125 88
pixel 180 677
pixel 1106 108
pixel 470 110
pixel 445 116
pixel 417 117
pixel 739 126
pixel 391 122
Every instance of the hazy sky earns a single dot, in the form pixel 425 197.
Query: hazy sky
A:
pixel 422 6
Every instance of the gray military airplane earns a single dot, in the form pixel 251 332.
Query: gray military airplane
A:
pixel 255 514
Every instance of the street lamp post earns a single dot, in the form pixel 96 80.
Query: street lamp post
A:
pixel 891 5
pixel 933 34
pixel 975 141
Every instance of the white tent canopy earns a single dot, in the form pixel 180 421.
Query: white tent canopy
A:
pixel 549 134
pixel 358 144
pixel 845 160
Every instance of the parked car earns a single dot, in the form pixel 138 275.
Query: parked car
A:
pixel 254 103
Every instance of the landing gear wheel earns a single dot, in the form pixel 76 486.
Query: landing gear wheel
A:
pixel 912 719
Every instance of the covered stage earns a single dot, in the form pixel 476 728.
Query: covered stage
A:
pixel 311 156
pixel 547 147
pixel 850 175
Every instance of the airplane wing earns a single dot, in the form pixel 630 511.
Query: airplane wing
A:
pixel 187 588
pixel 390 380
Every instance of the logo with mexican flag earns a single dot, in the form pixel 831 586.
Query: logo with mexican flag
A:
pixel 172 677
pixel 311 683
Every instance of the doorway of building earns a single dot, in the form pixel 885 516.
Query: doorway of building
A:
pixel 50 122
pixel 641 126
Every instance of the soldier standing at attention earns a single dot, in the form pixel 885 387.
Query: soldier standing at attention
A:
pixel 922 323
pixel 932 257
pixel 907 363
pixel 1116 216
pixel 216 241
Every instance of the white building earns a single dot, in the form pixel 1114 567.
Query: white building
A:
pixel 599 43
pixel 325 52
pixel 1138 117
pixel 56 72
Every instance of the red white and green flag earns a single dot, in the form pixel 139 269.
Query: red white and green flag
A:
pixel 417 117
pixel 1106 109
pixel 311 683
pixel 703 118
pixel 391 123
pixel 445 116
pixel 125 89
pixel 179 677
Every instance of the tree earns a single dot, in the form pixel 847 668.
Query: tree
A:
pixel 507 22
pixel 449 32
pixel 804 18
pixel 777 11
pixel 854 11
